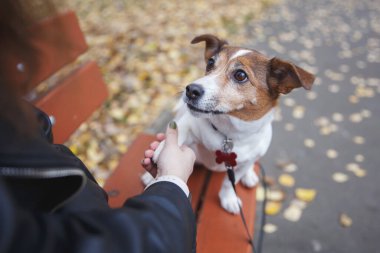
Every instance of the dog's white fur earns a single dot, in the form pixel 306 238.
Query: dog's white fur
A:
pixel 251 138
pixel 241 110
pixel 251 141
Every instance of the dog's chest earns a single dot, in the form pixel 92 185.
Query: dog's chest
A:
pixel 248 146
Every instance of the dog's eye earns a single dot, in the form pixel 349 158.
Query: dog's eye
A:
pixel 240 76
pixel 210 64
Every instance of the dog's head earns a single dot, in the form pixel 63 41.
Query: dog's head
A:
pixel 241 82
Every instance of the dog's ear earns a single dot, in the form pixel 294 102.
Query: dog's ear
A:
pixel 283 76
pixel 213 44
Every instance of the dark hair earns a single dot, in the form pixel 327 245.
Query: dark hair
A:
pixel 16 18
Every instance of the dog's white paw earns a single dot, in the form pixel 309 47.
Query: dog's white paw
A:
pixel 158 151
pixel 230 202
pixel 147 178
pixel 250 179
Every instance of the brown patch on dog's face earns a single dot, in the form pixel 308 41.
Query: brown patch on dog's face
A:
pixel 244 83
pixel 254 99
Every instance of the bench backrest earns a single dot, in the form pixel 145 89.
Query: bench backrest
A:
pixel 59 41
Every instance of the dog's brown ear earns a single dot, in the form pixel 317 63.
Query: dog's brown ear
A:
pixel 213 44
pixel 283 76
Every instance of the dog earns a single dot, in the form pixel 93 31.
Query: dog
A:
pixel 236 100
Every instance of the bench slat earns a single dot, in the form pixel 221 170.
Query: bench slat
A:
pixel 219 231
pixel 73 100
pixel 58 41
pixel 125 181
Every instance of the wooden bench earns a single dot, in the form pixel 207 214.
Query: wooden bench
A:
pixel 217 231
pixel 75 97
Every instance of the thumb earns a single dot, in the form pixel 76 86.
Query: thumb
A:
pixel 172 134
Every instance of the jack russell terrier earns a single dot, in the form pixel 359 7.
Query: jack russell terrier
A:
pixel 234 101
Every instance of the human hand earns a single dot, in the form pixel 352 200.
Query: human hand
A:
pixel 147 162
pixel 173 160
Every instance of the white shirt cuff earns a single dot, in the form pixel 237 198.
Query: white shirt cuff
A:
pixel 173 179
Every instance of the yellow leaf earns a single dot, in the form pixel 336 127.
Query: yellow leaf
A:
pixel 272 208
pixel 345 220
pixel 304 194
pixel 286 180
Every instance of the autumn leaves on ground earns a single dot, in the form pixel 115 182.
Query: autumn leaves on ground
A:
pixel 323 153
pixel 144 51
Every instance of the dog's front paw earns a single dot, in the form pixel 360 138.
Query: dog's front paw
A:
pixel 250 179
pixel 147 178
pixel 230 202
pixel 158 151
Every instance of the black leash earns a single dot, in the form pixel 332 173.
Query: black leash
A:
pixel 231 177
pixel 229 159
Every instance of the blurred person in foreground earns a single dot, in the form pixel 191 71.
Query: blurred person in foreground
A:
pixel 49 201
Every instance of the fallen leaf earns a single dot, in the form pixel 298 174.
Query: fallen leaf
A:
pixel 260 193
pixel 289 127
pixel 298 112
pixel 286 180
pixel 270 228
pixel 311 95
pixel 356 117
pixel 353 99
pixel 332 153
pixel 358 140
pixel 309 143
pixel 289 102
pixel 366 113
pixel 333 88
pixel 321 121
pixel 74 149
pixel 355 168
pixel 272 207
pixel 306 195
pixel 359 158
pixel 299 203
pixel 339 177
pixel 337 117
pixel 288 167
pixel 293 213
pixel 275 195
pixel 345 220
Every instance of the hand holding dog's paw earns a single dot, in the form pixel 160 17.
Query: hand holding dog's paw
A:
pixel 147 162
pixel 173 159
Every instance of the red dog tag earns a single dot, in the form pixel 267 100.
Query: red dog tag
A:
pixel 228 158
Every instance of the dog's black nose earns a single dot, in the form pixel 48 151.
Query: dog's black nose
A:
pixel 194 91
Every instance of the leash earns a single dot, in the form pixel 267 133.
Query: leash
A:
pixel 228 157
pixel 231 177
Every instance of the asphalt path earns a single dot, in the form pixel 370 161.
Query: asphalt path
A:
pixel 330 136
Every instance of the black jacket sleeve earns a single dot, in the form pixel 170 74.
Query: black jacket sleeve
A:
pixel 159 220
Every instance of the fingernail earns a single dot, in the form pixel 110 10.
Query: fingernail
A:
pixel 173 125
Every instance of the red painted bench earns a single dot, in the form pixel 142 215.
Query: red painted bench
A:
pixel 74 98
